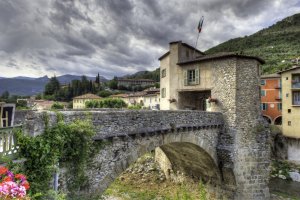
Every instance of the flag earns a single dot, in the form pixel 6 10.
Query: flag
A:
pixel 200 24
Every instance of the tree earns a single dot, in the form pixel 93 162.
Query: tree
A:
pixel 52 87
pixel 113 84
pixel 5 95
pixel 97 79
pixel 104 93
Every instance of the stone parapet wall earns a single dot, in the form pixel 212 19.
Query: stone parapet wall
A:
pixel 124 122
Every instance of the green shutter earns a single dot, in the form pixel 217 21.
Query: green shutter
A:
pixel 185 77
pixel 197 76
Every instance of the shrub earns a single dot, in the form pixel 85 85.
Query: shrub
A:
pixel 106 103
pixel 57 106
pixel 135 107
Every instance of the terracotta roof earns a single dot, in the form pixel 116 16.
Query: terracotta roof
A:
pixel 88 96
pixel 119 95
pixel 270 76
pixel 294 67
pixel 220 56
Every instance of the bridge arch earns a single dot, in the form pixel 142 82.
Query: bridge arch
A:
pixel 191 150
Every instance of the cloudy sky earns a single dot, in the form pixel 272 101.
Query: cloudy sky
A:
pixel 117 37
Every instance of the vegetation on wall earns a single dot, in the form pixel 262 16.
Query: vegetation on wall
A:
pixel 68 145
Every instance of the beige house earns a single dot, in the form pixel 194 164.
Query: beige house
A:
pixel 42 105
pixel 79 102
pixel 187 75
pixel 149 98
pixel 290 80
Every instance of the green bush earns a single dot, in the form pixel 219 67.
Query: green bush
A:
pixel 57 106
pixel 135 107
pixel 106 103
pixel 104 93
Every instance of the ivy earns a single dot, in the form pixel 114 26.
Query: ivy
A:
pixel 69 145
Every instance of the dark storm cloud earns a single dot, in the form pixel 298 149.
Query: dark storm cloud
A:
pixel 116 37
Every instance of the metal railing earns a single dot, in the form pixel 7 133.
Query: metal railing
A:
pixel 8 142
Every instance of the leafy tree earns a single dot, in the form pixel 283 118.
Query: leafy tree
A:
pixel 52 86
pixel 104 93
pixel 57 106
pixel 5 95
pixel 113 84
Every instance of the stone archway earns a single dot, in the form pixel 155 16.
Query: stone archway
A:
pixel 278 120
pixel 117 155
pixel 268 119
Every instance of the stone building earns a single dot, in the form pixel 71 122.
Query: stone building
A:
pixel 228 83
pixel 188 76
pixel 271 105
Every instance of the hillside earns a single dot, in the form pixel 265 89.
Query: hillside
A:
pixel 154 75
pixel 277 44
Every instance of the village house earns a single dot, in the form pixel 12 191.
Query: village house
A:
pixel 271 105
pixel 188 75
pixel 291 102
pixel 290 79
pixel 79 101
pixel 149 98
pixel 42 105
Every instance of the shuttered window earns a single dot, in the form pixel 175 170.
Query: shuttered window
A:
pixel 163 92
pixel 191 77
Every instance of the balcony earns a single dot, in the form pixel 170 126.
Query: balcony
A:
pixel 8 142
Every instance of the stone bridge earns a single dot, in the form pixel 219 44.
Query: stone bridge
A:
pixel 198 143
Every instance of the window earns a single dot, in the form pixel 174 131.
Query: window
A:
pixel 286 78
pixel 295 81
pixel 289 110
pixel 287 94
pixel 263 93
pixel 289 123
pixel 163 92
pixel 191 77
pixel 163 73
pixel 296 98
pixel 264 106
pixel 187 53
pixel 279 106
pixel 263 82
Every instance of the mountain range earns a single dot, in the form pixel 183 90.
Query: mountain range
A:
pixel 29 86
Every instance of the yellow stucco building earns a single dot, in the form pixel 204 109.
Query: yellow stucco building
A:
pixel 79 101
pixel 291 102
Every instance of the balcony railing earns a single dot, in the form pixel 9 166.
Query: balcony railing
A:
pixel 295 84
pixel 8 142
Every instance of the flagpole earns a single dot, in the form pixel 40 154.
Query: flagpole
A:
pixel 196 44
pixel 199 30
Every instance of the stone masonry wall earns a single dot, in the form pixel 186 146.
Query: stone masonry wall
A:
pixel 236 87
pixel 126 122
